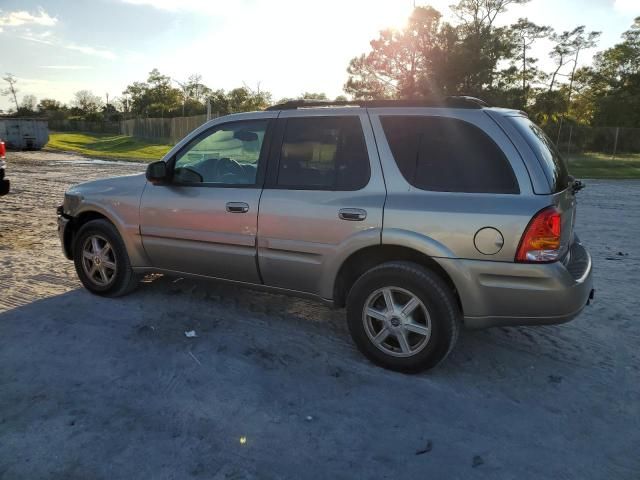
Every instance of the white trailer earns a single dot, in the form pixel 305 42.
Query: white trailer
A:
pixel 24 133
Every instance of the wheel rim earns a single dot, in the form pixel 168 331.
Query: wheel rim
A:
pixel 396 322
pixel 99 260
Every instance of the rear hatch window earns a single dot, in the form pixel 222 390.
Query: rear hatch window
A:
pixel 553 164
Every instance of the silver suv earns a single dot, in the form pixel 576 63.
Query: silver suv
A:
pixel 418 217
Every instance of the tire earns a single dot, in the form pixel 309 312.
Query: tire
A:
pixel 119 278
pixel 425 313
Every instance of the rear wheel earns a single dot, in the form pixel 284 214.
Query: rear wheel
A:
pixel 101 260
pixel 403 316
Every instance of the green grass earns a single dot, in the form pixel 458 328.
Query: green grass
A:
pixel 600 165
pixel 107 146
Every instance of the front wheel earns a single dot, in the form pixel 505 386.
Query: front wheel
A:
pixel 403 317
pixel 101 260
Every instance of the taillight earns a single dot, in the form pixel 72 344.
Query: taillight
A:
pixel 3 150
pixel 541 240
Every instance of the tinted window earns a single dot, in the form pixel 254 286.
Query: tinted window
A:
pixel 323 153
pixel 448 155
pixel 226 155
pixel 555 168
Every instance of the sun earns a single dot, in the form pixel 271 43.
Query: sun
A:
pixel 393 14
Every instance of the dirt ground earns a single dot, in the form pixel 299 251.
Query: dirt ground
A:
pixel 272 387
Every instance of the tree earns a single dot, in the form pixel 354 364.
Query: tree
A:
pixel 526 33
pixel 610 90
pixel 86 102
pixel 433 58
pixel 11 89
pixel 402 63
pixel 163 97
pixel 581 41
pixel 49 105
pixel 242 99
pixel 313 96
pixel 482 44
pixel 155 97
pixel 28 105
pixel 478 14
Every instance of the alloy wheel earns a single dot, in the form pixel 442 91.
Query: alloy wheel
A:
pixel 396 321
pixel 99 260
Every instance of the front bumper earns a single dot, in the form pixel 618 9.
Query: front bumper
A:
pixel 64 233
pixel 502 294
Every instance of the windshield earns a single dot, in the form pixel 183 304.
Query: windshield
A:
pixel 554 165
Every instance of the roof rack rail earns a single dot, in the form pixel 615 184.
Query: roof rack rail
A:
pixel 461 101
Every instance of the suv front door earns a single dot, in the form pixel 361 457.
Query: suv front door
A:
pixel 205 220
pixel 323 198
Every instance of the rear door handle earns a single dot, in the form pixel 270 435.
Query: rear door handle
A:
pixel 352 214
pixel 237 207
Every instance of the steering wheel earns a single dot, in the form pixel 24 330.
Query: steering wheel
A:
pixel 227 166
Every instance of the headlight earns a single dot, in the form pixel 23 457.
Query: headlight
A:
pixel 71 203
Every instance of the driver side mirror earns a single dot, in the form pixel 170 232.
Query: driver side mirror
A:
pixel 157 173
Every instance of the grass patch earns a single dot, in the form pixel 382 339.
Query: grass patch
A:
pixel 105 145
pixel 600 165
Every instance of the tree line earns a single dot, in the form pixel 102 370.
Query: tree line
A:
pixel 428 58
pixel 155 97
pixel 477 57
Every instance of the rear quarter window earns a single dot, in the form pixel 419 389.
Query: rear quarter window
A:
pixel 448 155
pixel 553 164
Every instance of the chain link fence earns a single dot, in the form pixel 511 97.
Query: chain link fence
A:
pixel 616 142
pixel 599 152
pixel 163 130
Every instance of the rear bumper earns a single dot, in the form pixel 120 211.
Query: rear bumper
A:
pixel 501 294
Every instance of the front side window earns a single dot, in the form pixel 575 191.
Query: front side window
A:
pixel 225 155
pixel 448 155
pixel 323 153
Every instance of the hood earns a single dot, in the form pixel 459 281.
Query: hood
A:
pixel 110 193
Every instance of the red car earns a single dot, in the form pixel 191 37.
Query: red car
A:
pixel 4 184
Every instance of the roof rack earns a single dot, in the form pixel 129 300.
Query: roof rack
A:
pixel 446 102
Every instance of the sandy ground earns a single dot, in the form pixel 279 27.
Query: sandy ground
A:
pixel 272 386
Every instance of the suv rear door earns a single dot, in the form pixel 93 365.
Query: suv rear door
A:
pixel 323 198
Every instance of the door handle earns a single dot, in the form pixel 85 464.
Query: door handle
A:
pixel 352 214
pixel 237 207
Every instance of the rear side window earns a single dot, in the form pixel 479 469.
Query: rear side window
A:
pixel 554 166
pixel 323 153
pixel 448 155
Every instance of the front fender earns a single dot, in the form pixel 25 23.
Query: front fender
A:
pixel 128 230
pixel 117 199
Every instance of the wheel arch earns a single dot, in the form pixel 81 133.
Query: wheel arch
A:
pixel 76 223
pixel 366 258
pixel 130 234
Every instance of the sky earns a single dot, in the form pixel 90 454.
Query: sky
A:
pixel 57 47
